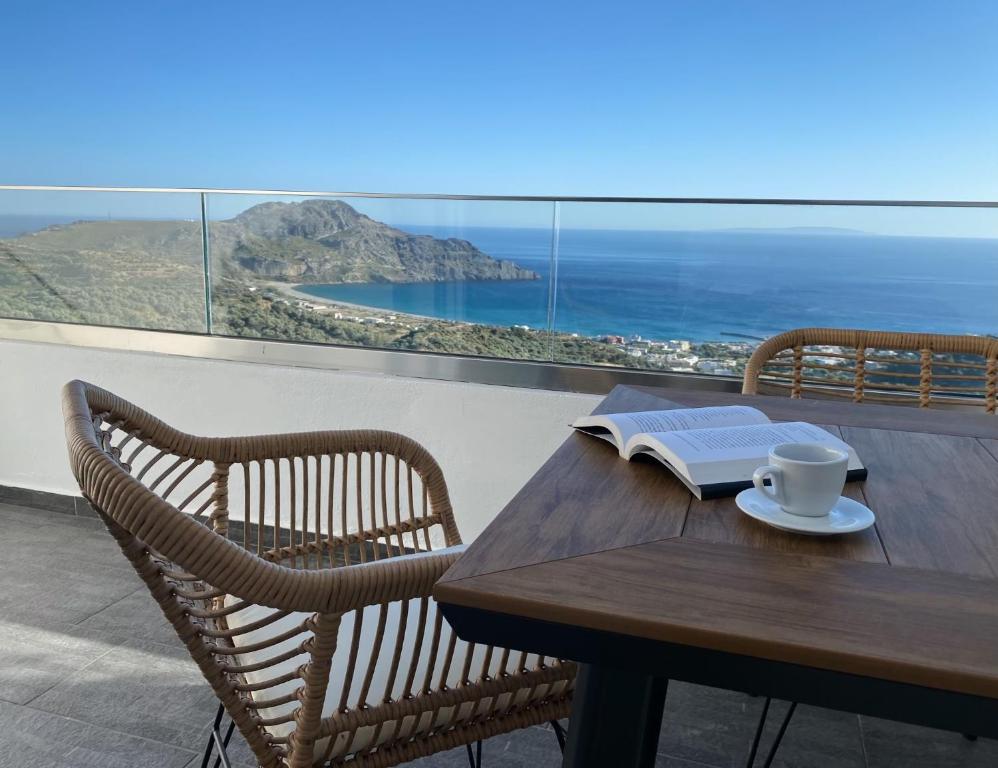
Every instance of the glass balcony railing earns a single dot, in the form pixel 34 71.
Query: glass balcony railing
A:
pixel 109 258
pixel 654 285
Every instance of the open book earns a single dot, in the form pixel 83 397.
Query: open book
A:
pixel 714 451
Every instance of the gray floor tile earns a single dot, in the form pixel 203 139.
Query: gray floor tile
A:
pixel 667 761
pixel 55 502
pixel 55 572
pixel 84 509
pixel 896 745
pixel 39 568
pixel 815 737
pixel 66 592
pixel 144 688
pixel 11 513
pixel 36 658
pixel 534 747
pixel 708 725
pixel 40 740
pixel 87 522
pixel 76 540
pixel 136 615
pixel 37 516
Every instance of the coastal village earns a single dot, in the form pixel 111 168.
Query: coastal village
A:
pixel 721 358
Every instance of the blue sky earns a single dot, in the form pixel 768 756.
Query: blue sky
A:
pixel 788 99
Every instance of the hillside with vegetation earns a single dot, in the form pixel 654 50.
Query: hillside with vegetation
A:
pixel 268 315
pixel 149 274
pixel 141 274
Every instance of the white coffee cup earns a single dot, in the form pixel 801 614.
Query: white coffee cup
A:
pixel 806 478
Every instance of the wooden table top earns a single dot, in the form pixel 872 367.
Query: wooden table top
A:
pixel 597 542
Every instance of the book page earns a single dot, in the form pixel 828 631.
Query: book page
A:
pixel 691 418
pixel 732 443
pixel 729 454
pixel 627 425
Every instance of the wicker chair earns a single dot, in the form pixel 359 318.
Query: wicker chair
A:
pixel 311 617
pixel 921 369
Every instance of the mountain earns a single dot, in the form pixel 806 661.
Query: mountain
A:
pixel 328 241
pixel 314 241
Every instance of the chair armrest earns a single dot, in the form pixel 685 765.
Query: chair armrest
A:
pixel 345 588
pixel 403 577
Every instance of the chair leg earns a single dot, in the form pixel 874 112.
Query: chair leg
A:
pixel 211 736
pixel 223 749
pixel 559 733
pixel 758 733
pixel 475 758
pixel 216 741
pixel 779 735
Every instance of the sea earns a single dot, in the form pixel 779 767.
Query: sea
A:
pixel 709 285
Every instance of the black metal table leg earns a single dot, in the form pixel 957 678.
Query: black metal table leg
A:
pixel 616 719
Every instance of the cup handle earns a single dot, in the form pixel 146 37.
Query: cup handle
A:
pixel 775 492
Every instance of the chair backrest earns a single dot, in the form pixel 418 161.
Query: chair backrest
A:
pixel 305 504
pixel 921 369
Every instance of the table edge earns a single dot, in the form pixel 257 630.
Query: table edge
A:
pixel 463 593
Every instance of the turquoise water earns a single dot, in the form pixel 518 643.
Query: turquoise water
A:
pixel 711 285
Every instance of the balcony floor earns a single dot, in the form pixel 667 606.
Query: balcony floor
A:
pixel 92 675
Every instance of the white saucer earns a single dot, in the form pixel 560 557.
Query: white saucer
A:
pixel 847 516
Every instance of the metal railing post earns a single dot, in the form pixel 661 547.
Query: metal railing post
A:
pixel 206 256
pixel 553 275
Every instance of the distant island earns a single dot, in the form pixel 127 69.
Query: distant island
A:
pixel 796 231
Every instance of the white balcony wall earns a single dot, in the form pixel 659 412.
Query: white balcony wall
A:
pixel 488 439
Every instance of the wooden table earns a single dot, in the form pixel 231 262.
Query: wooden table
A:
pixel 615 565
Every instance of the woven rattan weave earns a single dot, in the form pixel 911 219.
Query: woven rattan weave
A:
pixel 328 525
pixel 903 368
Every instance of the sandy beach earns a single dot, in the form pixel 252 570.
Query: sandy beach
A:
pixel 292 292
